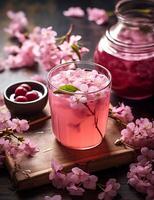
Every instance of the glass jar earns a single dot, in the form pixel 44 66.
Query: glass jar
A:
pixel 79 118
pixel 127 49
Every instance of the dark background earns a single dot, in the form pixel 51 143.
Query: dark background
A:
pixel 49 13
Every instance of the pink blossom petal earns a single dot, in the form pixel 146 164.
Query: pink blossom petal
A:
pixel 74 12
pixel 97 15
pixel 18 125
pixel 75 191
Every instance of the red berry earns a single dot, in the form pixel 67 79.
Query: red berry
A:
pixel 20 91
pixel 26 86
pixel 21 99
pixel 32 95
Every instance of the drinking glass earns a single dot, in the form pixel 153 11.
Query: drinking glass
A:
pixel 79 124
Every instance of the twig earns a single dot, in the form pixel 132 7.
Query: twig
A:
pixel 95 119
pixel 34 122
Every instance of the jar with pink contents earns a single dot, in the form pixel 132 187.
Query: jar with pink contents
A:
pixel 127 49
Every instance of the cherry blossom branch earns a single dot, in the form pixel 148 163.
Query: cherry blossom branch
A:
pixel 95 119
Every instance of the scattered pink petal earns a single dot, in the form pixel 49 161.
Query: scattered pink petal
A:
pixel 56 166
pixel 74 12
pixel 123 112
pixel 91 182
pixel 75 191
pixel 29 148
pixel 139 133
pixel 110 190
pixel 97 15
pixel 18 125
pixel 141 174
pixel 13 49
pixel 17 24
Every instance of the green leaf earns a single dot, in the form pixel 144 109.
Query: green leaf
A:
pixel 66 89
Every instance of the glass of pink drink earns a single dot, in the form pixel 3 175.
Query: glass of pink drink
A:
pixel 79 94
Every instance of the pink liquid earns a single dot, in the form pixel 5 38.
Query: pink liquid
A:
pixel 133 79
pixel 75 127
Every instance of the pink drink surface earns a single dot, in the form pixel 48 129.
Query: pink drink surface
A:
pixel 133 79
pixel 79 125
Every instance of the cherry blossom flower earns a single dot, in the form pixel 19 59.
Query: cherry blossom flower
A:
pixel 141 174
pixel 13 49
pixel 139 133
pixel 97 15
pixel 24 58
pixel 67 49
pixel 29 148
pixel 76 176
pixel 91 182
pixel 110 190
pixel 18 22
pixel 122 112
pixel 4 117
pixel 55 197
pixel 18 125
pixel 74 12
pixel 75 190
pixel 58 179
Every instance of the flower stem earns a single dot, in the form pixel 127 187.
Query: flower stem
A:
pixel 95 119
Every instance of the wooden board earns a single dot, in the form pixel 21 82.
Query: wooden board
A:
pixel 106 155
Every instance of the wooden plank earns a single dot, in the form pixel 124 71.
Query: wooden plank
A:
pixel 101 157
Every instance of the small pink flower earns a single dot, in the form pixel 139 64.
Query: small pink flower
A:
pixel 56 166
pixel 74 190
pixel 18 125
pixel 123 112
pixel 74 12
pixel 79 175
pixel 98 15
pixel 90 183
pixel 110 190
pixel 55 197
pixel 29 148
pixel 58 179
pixel 4 118
pixel 18 22
pixel 13 49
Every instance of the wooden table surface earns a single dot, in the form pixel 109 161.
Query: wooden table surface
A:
pixel 49 13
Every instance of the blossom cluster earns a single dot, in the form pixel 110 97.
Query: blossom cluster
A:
pixel 99 16
pixel 76 181
pixel 141 174
pixel 10 142
pixel 139 133
pixel 85 83
pixel 39 46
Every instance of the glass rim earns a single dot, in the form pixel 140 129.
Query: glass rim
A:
pixel 119 12
pixel 79 62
